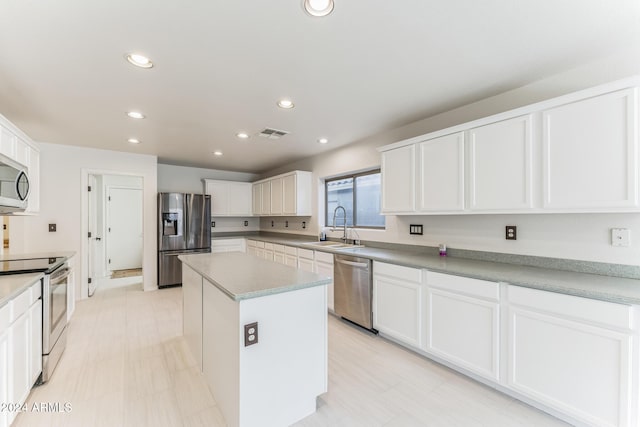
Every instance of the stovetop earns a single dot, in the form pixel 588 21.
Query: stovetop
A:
pixel 33 265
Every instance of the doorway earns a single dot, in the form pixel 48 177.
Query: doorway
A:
pixel 115 236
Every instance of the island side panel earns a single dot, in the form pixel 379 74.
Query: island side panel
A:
pixel 192 312
pixel 220 350
pixel 281 375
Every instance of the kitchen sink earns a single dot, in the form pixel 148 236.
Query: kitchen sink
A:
pixel 332 245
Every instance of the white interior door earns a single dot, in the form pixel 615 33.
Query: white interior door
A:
pixel 124 228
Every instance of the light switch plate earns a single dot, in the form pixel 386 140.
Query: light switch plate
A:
pixel 621 237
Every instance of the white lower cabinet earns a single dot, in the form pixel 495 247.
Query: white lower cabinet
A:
pixel 305 260
pixel 463 321
pixel 251 247
pixel 268 251
pixel 324 267
pixel 4 371
pixel 574 355
pixel 20 348
pixel 291 256
pixel 278 254
pixel 397 302
pixel 228 245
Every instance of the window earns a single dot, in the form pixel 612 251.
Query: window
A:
pixel 359 195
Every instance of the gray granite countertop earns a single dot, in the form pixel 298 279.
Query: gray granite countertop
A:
pixel 594 286
pixel 241 276
pixel 34 255
pixel 11 285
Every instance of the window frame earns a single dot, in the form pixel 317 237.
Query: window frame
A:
pixel 355 203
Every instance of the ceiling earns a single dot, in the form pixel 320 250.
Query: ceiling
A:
pixel 220 67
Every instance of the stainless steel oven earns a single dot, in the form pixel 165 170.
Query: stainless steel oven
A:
pixel 54 317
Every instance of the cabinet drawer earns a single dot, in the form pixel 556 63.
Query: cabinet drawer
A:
pixel 268 246
pixel 260 245
pixel 606 313
pixel 4 317
pixel 398 271
pixel 305 253
pixel 278 248
pixel 324 257
pixel 251 243
pixel 465 285
pixel 19 305
pixel 290 250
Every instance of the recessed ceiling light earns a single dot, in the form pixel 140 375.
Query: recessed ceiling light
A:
pixel 139 60
pixel 133 141
pixel 323 140
pixel 242 135
pixel 318 7
pixel 135 115
pixel 285 103
pixel 217 153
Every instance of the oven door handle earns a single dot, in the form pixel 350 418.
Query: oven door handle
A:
pixel 59 279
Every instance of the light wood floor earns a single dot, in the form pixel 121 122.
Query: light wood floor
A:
pixel 126 364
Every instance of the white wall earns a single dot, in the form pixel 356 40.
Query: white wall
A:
pixel 571 236
pixel 63 201
pixel 182 179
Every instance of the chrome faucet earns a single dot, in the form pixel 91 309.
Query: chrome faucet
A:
pixel 335 212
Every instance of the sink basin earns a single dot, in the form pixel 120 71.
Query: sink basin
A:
pixel 325 243
pixel 333 245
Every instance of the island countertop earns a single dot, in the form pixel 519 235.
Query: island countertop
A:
pixel 241 276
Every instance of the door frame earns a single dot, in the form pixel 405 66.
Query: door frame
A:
pixel 149 258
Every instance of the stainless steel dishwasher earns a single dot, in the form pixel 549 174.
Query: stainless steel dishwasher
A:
pixel 353 287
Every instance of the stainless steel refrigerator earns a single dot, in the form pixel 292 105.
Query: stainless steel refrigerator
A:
pixel 183 228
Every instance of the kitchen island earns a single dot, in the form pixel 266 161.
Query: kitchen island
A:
pixel 258 332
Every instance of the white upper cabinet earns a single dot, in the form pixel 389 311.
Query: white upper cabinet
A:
pixel 288 194
pixel 590 153
pixel 265 190
pixel 276 196
pixel 256 198
pixel 575 153
pixel 17 146
pixel 500 165
pixel 398 167
pixel 441 174
pixel 229 198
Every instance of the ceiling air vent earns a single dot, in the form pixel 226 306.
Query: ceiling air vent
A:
pixel 272 133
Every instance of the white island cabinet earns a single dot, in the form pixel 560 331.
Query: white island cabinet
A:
pixel 263 339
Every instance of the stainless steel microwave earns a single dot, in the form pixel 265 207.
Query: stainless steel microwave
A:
pixel 14 186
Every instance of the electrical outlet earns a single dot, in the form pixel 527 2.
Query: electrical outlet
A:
pixel 415 229
pixel 272 223
pixel 304 224
pixel 251 334
pixel 286 224
pixel 620 237
pixel 246 223
pixel 510 232
pixel 213 224
pixel 52 228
